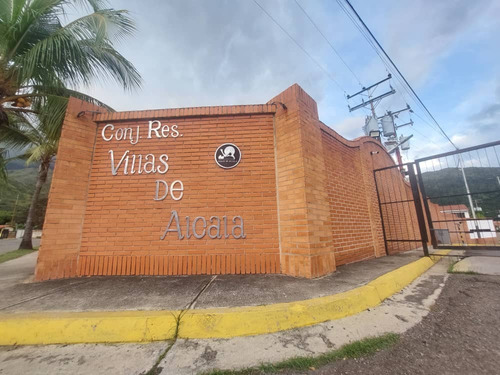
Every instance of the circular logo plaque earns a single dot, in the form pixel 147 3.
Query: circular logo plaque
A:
pixel 227 156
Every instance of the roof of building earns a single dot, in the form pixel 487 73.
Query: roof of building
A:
pixel 455 208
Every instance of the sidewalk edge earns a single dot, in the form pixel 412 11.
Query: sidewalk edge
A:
pixel 146 326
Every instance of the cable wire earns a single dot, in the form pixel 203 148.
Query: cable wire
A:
pixel 414 94
pixel 300 46
pixel 328 41
pixel 388 66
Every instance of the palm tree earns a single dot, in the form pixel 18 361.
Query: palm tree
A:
pixel 42 60
pixel 39 146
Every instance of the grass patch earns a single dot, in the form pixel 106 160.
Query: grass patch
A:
pixel 451 265
pixel 15 254
pixel 451 269
pixel 356 349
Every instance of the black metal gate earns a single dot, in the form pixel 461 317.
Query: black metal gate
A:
pixel 400 207
pixel 461 193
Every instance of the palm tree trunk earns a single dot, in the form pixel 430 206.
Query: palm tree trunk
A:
pixel 43 170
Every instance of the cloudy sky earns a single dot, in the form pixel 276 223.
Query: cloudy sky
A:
pixel 223 52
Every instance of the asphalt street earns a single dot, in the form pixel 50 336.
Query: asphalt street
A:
pixel 461 335
pixel 10 244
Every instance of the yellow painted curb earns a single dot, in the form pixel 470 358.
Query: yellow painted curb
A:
pixel 87 327
pixel 145 326
pixel 258 320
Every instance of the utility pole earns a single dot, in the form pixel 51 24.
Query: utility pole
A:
pixel 372 100
pixel 393 137
pixel 395 140
pixel 393 115
pixel 471 204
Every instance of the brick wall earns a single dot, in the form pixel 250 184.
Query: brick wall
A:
pixel 62 230
pixel 124 224
pixel 305 228
pixel 347 198
pixel 307 196
pixel 398 211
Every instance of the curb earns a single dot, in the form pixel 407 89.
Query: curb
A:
pixel 146 326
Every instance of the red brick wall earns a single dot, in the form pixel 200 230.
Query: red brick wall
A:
pixel 307 196
pixel 347 198
pixel 457 227
pixel 123 223
pixel 62 230
pixel 305 228
pixel 400 219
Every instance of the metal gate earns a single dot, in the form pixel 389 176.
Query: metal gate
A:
pixel 403 221
pixel 461 194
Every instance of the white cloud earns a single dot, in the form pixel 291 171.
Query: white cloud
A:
pixel 350 127
pixel 197 53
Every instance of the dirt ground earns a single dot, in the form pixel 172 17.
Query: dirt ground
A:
pixel 461 335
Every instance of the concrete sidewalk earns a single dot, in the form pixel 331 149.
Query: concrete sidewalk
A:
pixel 144 309
pixel 193 356
pixel 177 292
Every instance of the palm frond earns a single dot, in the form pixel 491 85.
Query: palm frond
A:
pixel 31 21
pixel 41 152
pixel 51 110
pixel 18 134
pixel 71 52
pixel 65 92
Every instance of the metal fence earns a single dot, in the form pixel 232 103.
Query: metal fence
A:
pixel 451 199
pixel 462 197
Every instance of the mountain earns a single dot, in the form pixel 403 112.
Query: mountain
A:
pixel 450 181
pixel 19 186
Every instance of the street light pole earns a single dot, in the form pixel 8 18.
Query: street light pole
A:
pixel 461 166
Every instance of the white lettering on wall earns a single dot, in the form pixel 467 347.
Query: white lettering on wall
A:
pixel 112 127
pixel 120 134
pixel 114 170
pixel 133 164
pixel 154 129
pixel 199 228
pixel 162 189
pixel 130 163
pixel 177 197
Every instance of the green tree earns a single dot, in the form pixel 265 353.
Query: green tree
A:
pixel 39 146
pixel 42 60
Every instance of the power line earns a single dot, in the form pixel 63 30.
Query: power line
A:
pixel 432 127
pixel 399 73
pixel 370 42
pixel 300 46
pixel 399 82
pixel 329 43
pixel 388 66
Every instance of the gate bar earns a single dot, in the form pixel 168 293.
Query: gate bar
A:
pixel 380 210
pixel 418 208
pixel 460 195
pixel 426 205
pixel 459 151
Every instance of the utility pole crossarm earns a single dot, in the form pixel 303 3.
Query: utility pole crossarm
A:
pixel 405 124
pixel 363 103
pixel 369 87
pixel 395 113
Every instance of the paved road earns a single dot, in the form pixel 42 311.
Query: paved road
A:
pixel 461 335
pixel 10 244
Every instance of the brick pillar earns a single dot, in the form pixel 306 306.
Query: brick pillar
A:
pixel 58 254
pixel 306 242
